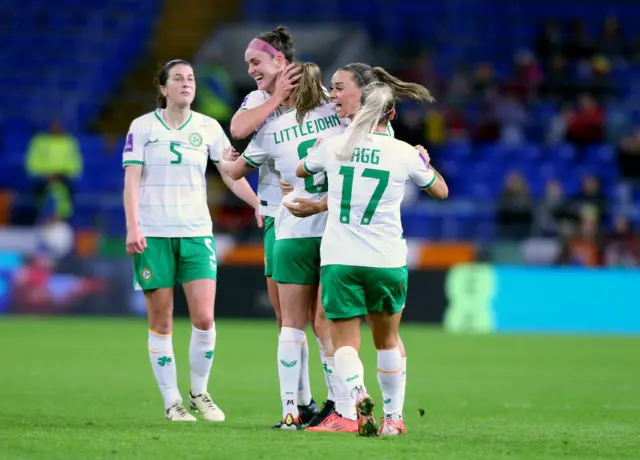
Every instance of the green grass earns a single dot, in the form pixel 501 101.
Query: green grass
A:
pixel 83 389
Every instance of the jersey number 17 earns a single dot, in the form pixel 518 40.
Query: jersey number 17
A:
pixel 348 173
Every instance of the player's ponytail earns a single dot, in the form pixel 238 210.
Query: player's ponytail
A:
pixel 378 103
pixel 402 89
pixel 310 93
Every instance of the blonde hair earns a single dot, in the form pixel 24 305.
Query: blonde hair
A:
pixel 310 93
pixel 378 102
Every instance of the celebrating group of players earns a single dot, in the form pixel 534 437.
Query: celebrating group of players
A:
pixel 332 178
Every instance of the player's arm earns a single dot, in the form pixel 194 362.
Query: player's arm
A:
pixel 246 121
pixel 314 162
pixel 133 161
pixel 234 169
pixel 426 177
pixel 253 112
pixel 240 187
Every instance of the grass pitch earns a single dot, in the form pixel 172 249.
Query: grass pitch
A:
pixel 75 388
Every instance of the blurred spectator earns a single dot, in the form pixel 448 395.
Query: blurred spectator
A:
pixel 558 84
pixel 456 124
pixel 525 78
pixel 591 195
pixel 459 86
pixel 623 248
pixel 411 123
pixel 629 156
pixel 586 124
pixel 422 71
pixel 550 42
pixel 485 85
pixel 598 82
pixel 53 158
pixel 586 245
pixel 612 42
pixel 580 45
pixel 514 216
pixel 511 115
pixel 558 124
pixel 487 127
pixel 434 127
pixel 551 211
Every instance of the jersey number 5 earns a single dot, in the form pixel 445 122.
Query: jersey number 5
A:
pixel 174 149
pixel 348 173
pixel 309 184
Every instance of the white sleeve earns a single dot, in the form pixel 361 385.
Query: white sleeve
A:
pixel 253 100
pixel 257 152
pixel 419 171
pixel 316 160
pixel 219 143
pixel 133 152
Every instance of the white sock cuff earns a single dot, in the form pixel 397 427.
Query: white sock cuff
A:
pixel 344 351
pixel 160 341
pixel 390 360
pixel 290 334
pixel 204 334
pixel 330 362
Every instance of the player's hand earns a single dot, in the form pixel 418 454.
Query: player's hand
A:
pixel 230 154
pixel 424 154
pixel 285 187
pixel 259 218
pixel 287 81
pixel 302 207
pixel 136 242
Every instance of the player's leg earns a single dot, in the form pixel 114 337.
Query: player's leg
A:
pixel 197 272
pixel 296 264
pixel 323 332
pixel 386 292
pixel 154 273
pixel 269 239
pixel 344 304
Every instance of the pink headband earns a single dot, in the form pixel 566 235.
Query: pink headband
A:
pixel 261 45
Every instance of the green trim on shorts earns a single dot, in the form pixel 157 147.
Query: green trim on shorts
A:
pixel 170 261
pixel 269 238
pixel 350 291
pixel 297 261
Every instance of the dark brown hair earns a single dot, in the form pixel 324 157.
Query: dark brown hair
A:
pixel 364 75
pixel 310 93
pixel 162 77
pixel 280 39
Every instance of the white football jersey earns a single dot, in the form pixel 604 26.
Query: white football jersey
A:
pixel 173 192
pixel 269 193
pixel 286 142
pixel 365 193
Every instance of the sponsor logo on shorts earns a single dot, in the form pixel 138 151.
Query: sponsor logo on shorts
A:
pixel 195 139
pixel 146 274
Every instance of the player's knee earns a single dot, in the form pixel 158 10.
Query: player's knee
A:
pixel 162 326
pixel 386 341
pixel 203 321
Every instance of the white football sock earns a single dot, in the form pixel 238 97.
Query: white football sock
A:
pixel 350 371
pixel 403 391
pixel 304 385
pixel 330 378
pixel 163 363
pixel 289 357
pixel 201 353
pixel 390 370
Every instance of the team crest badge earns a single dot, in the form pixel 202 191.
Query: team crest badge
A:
pixel 195 139
pixel 146 274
